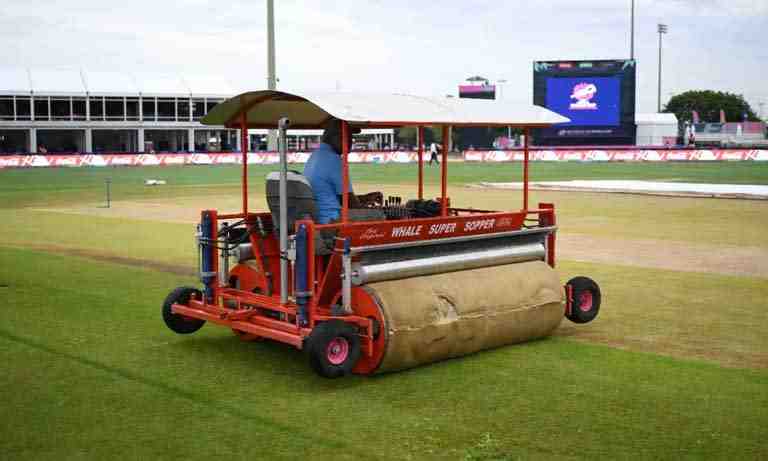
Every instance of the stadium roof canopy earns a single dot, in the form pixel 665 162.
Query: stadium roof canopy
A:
pixel 78 82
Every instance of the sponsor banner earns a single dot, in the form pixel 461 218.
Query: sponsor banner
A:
pixel 66 160
pixel 11 161
pixel 628 155
pixel 184 158
pixel 174 159
pixel 122 160
pixel 259 158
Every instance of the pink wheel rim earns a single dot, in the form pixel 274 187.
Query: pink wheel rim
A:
pixel 337 351
pixel 585 301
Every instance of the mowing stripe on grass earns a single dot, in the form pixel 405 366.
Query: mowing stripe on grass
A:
pixel 174 390
pixel 554 398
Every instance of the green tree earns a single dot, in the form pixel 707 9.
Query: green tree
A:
pixel 708 104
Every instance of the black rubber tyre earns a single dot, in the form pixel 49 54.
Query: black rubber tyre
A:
pixel 586 299
pixel 333 348
pixel 178 323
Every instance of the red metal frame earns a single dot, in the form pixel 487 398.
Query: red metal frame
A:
pixel 525 169
pixel 345 172
pixel 444 174
pixel 253 308
pixel 244 149
pixel 568 299
pixel 420 140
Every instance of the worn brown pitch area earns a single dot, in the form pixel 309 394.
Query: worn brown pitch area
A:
pixel 639 252
pixel 665 254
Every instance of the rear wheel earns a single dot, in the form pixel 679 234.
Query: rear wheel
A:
pixel 179 323
pixel 585 299
pixel 333 348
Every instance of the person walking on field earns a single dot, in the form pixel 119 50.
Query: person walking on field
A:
pixel 433 149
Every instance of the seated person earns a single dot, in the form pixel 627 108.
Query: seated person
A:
pixel 323 171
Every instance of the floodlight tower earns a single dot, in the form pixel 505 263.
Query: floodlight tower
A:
pixel 271 78
pixel 662 29
pixel 632 31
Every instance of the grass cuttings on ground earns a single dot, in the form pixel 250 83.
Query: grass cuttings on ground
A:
pixel 92 371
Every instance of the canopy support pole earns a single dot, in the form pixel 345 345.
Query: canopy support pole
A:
pixel 244 150
pixel 282 125
pixel 444 173
pixel 344 172
pixel 420 140
pixel 527 132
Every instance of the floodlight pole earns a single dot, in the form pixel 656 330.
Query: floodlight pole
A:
pixel 662 29
pixel 271 79
pixel 271 76
pixel 632 32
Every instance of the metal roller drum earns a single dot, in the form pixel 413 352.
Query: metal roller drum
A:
pixel 395 270
pixel 440 316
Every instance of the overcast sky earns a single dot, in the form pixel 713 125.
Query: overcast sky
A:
pixel 421 47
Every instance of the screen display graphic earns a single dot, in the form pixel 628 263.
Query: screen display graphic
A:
pixel 587 101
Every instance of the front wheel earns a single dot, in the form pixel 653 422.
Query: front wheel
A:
pixel 179 323
pixel 585 300
pixel 333 348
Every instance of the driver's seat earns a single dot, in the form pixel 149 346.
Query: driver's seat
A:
pixel 301 205
pixel 301 201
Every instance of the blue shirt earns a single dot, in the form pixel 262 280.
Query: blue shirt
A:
pixel 323 171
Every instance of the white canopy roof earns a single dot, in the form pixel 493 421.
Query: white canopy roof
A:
pixel 311 110
pixel 319 132
pixel 110 83
pixel 78 82
pixel 15 80
pixel 56 81
pixel 661 118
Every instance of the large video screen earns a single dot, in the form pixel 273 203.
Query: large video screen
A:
pixel 586 101
pixel 598 97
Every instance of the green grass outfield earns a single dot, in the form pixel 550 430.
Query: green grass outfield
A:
pixel 57 185
pixel 92 372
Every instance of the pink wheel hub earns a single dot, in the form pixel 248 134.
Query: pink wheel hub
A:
pixel 585 301
pixel 337 350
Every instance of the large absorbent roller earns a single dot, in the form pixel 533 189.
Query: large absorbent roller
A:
pixel 390 286
pixel 435 317
pixel 437 299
